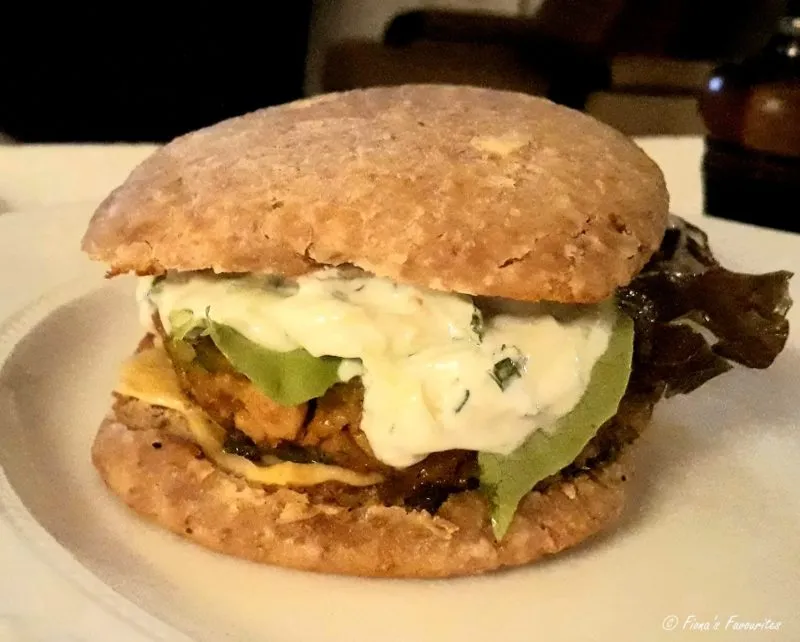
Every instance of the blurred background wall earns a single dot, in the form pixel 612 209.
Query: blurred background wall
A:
pixel 95 75
pixel 335 21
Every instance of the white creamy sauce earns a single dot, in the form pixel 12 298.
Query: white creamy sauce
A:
pixel 431 382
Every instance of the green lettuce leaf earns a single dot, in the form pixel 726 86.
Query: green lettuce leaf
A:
pixel 184 326
pixel 288 378
pixel 505 479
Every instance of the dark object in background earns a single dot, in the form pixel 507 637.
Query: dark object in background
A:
pixel 572 69
pixel 751 165
pixel 145 77
pixel 566 51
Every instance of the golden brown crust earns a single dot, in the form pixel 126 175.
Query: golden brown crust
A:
pixel 456 188
pixel 166 479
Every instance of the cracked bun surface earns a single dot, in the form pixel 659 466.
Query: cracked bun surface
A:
pixel 454 188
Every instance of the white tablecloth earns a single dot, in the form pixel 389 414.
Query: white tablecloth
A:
pixel 44 176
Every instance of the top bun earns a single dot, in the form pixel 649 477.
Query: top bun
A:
pixel 454 188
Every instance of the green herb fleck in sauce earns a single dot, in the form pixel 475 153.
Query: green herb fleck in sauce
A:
pixel 504 372
pixel 463 402
pixel 477 323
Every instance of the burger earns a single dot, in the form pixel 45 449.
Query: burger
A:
pixel 406 331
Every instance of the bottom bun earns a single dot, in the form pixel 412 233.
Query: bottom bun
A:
pixel 143 458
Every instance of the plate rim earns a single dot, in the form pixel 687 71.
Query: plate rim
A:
pixel 29 532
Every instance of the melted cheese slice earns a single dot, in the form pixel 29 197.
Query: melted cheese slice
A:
pixel 149 376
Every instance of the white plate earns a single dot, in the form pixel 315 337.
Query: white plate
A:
pixel 712 530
